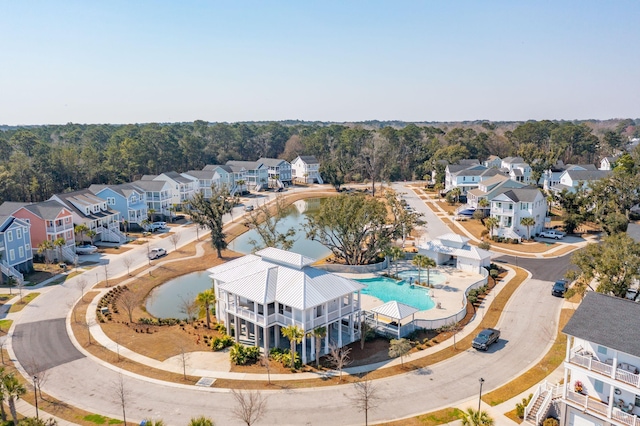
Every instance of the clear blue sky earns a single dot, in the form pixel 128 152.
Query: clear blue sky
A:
pixel 165 61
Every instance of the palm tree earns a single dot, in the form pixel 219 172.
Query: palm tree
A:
pixel 3 414
pixel 528 222
pixel 422 261
pixel 145 223
pixel 150 214
pixel 491 223
pixel 483 203
pixel 205 300
pixel 151 422
pixel 125 225
pixel 318 333
pixel 456 193
pixel 201 421
pixel 13 390
pixel 295 336
pixel 396 254
pixel 44 248
pixel 59 243
pixel 472 417
pixel 81 230
pixel 91 234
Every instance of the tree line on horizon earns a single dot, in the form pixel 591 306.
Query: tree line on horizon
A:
pixel 39 161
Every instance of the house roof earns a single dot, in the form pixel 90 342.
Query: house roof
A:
pixel 527 194
pixel 454 238
pixel 7 221
pixel 395 310
pixel 10 207
pixel 201 174
pixel 581 167
pixel 84 197
pixel 309 159
pixel 608 321
pixel 467 251
pixel 469 161
pixel 218 166
pixel 587 175
pixel 177 177
pixel 277 275
pixel 151 185
pixel 513 160
pixel 249 165
pixel 272 162
pixel 633 230
pixel 493 157
pixel 124 189
pixel 47 210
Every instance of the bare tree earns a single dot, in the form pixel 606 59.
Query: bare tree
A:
pixel 128 300
pixel 87 324
pixel 264 220
pixel 128 261
pixel 339 357
pixel 265 361
pixel 82 283
pixel 71 304
pixel 20 285
pixel 122 395
pixel 399 348
pixel 364 329
pixel 373 155
pixel 366 397
pixel 3 343
pixel 174 238
pixel 106 276
pixel 184 360
pixel 250 407
pixel 189 307
pixel 36 369
pixel 454 329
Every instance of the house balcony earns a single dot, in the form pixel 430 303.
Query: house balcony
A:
pixel 247 313
pixel 56 229
pixel 600 409
pixel 588 361
pixel 502 211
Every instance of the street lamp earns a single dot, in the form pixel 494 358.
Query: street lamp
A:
pixel 480 397
pixel 35 394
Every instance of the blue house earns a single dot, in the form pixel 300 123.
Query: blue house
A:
pixel 126 198
pixel 15 247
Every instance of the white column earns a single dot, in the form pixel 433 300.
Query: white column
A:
pixel 314 352
pixel 265 337
pixel 351 328
pixel 339 323
pixel 570 340
pixel 276 332
pixel 236 327
pixel 566 383
pixel 304 349
pixel 611 402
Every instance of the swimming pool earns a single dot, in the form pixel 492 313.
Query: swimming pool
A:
pixel 435 277
pixel 387 289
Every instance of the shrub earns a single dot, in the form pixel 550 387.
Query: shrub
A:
pixel 550 421
pixel 484 232
pixel 221 328
pixel 484 245
pixel 219 343
pixel 520 406
pixel 242 355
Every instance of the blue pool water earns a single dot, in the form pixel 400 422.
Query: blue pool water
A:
pixel 387 289
pixel 434 276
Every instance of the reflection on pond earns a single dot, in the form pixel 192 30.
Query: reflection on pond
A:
pixel 296 215
pixel 166 300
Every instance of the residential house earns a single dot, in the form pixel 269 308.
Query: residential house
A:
pixel 306 169
pixel 279 171
pixel 466 177
pixel 126 198
pixel 48 220
pixel 512 205
pixel 157 195
pixel 227 176
pixel 182 188
pixel 493 161
pixel 455 249
pixel 570 180
pixel 256 177
pixel 551 176
pixel 607 163
pixel 489 189
pixel 206 179
pixel 15 247
pixel 601 384
pixel 259 294
pixel 93 211
pixel 509 163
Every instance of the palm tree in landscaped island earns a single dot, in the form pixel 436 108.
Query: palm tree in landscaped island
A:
pixel 473 417
pixel 491 223
pixel 528 222
pixel 396 254
pixel 422 261
pixel 205 300
pixel 201 421
pixel 13 390
pixel 295 336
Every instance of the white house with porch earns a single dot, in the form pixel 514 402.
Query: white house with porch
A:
pixel 455 249
pixel 306 169
pixel 514 204
pixel 259 294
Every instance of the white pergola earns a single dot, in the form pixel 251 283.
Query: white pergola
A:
pixel 396 311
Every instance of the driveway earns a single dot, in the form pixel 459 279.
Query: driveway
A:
pixel 528 327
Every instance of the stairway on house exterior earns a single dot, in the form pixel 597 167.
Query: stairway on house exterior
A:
pixel 10 271
pixel 538 408
pixel 69 254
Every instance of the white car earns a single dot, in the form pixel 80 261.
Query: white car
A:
pixel 155 253
pixel 86 249
pixel 155 226
pixel 552 233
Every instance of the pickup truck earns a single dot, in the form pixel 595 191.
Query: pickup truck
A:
pixel 486 338
pixel 552 233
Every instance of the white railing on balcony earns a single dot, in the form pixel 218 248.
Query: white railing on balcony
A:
pixel 54 229
pixel 628 377
pixel 626 418
pixel 501 210
pixel 593 364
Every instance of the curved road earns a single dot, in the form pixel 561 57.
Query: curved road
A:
pixel 528 326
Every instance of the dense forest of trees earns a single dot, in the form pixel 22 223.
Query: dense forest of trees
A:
pixel 38 161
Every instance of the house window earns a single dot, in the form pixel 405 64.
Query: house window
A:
pixel 524 206
pixel 27 246
pixel 9 236
pixel 602 350
pixel 510 206
pixel 21 252
pixel 19 233
pixel 12 255
pixel 598 386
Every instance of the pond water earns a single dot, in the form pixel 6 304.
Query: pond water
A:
pixel 295 217
pixel 387 290
pixel 165 300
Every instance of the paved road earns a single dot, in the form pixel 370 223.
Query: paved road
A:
pixel 549 269
pixel 528 326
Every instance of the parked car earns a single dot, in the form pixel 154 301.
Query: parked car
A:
pixel 156 226
pixel 155 253
pixel 248 208
pixel 177 218
pixel 559 288
pixel 552 233
pixel 86 249
pixel 486 337
pixel 460 217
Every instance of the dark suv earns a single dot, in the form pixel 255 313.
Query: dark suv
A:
pixel 559 288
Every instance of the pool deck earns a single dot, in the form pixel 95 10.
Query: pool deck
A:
pixel 449 294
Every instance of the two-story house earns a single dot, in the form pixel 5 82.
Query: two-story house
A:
pixel 182 188
pixel 601 383
pixel 157 195
pixel 15 248
pixel 279 172
pixel 551 176
pixel 128 199
pixel 259 294
pixel 206 179
pixel 93 211
pixel 256 177
pixel 511 206
pixel 306 169
pixel 466 177
pixel 493 161
pixel 226 176
pixel 488 189
pixel 49 221
pixel 570 180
